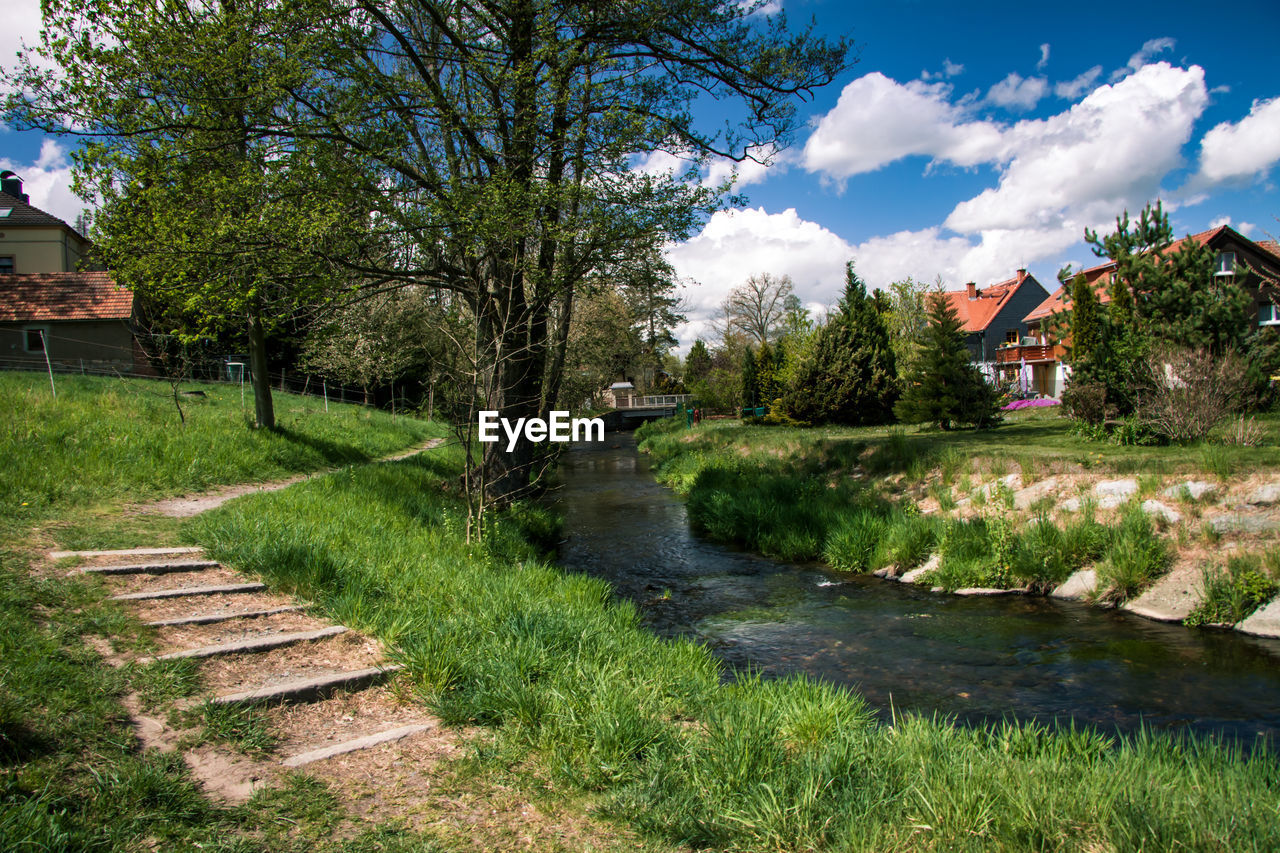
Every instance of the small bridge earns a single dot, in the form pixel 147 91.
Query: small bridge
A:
pixel 631 410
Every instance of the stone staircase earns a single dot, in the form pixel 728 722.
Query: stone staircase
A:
pixel 321 688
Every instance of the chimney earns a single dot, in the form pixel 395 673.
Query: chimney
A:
pixel 972 288
pixel 11 184
pixel 1022 275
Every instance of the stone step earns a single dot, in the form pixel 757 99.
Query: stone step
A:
pixel 359 743
pixel 212 618
pixel 152 568
pixel 256 644
pixel 127 552
pixel 309 689
pixel 191 590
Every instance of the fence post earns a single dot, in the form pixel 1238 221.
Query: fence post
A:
pixel 325 382
pixel 44 345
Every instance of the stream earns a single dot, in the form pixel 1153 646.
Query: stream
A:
pixel 902 647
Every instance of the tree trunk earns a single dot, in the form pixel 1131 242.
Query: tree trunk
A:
pixel 264 411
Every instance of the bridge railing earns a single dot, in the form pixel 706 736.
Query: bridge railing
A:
pixel 652 401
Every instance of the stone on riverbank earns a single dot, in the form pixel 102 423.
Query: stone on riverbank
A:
pixel 1078 587
pixel 1265 495
pixel 918 574
pixel 1173 597
pixel 1161 511
pixel 1193 489
pixel 1264 622
pixel 1126 488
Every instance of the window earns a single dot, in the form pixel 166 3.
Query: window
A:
pixel 1226 263
pixel 6 264
pixel 1011 336
pixel 1268 314
pixel 33 338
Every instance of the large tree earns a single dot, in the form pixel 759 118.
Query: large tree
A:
pixel 758 308
pixel 852 376
pixel 173 102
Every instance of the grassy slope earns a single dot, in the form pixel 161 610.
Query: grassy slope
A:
pixel 789 493
pixel 70 775
pixel 495 636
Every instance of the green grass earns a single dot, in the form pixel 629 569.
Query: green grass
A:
pixel 111 440
pixel 1135 557
pixel 566 678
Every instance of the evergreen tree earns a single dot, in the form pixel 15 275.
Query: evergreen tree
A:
pixel 942 386
pixel 767 373
pixel 750 380
pixel 1086 335
pixel 698 363
pixel 852 377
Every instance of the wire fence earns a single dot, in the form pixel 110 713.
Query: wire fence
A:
pixel 58 354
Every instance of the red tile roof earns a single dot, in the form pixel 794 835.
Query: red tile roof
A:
pixel 63 296
pixel 976 314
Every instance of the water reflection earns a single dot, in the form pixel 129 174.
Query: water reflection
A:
pixel 977 658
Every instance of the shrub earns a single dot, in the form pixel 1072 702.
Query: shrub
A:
pixel 854 544
pixel 1190 392
pixel 1085 402
pixel 1231 595
pixel 1135 558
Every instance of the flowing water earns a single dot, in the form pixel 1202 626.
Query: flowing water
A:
pixel 900 646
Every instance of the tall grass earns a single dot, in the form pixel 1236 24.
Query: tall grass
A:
pixel 493 635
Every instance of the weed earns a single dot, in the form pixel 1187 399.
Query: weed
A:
pixel 163 681
pixel 1135 557
pixel 1230 595
pixel 241 727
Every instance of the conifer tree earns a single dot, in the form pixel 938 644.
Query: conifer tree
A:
pixel 942 386
pixel 698 363
pixel 852 378
pixel 750 380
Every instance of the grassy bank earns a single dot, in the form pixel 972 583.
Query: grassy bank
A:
pixel 574 688
pixel 71 775
pixel 579 701
pixel 107 440
pixel 875 498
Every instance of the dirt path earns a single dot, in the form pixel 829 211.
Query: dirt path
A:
pixel 186 506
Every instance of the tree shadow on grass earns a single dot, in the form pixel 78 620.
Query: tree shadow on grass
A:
pixel 333 452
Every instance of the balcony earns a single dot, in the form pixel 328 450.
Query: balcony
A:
pixel 1029 353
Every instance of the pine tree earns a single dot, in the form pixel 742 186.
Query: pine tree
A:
pixel 698 363
pixel 852 378
pixel 942 386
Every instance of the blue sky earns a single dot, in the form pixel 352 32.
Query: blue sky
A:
pixel 968 140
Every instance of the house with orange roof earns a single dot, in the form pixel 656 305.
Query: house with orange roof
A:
pixel 54 305
pixel 992 316
pixel 1252 265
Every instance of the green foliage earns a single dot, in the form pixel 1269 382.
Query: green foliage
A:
pixel 1135 558
pixel 698 363
pixel 852 377
pixel 941 386
pixel 750 380
pixel 852 546
pixel 1232 594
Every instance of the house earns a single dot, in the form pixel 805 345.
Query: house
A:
pixel 1254 266
pixel 992 316
pixel 53 304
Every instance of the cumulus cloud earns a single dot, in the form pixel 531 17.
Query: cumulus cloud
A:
pixel 1057 175
pixel 48 181
pixel 1074 88
pixel 1044 57
pixel 1240 151
pixel 739 243
pixel 753 170
pixel 21 24
pixel 1150 49
pixel 1015 92
pixel 878 120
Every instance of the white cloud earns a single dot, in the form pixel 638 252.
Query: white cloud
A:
pixel 1243 150
pixel 738 243
pixel 1014 92
pixel 48 181
pixel 1107 152
pixel 766 7
pixel 1074 88
pixel 1044 57
pixel 1247 229
pixel 1150 49
pixel 878 120
pixel 21 24
pixel 949 69
pixel 1221 220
